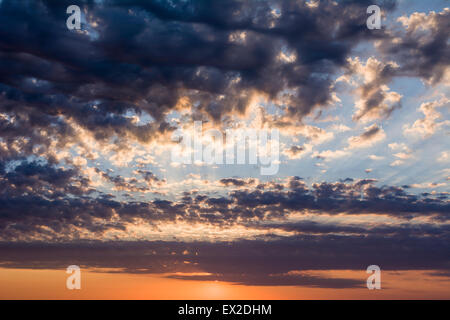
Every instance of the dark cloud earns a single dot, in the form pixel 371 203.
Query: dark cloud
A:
pixel 421 47
pixel 296 149
pixel 370 136
pixel 65 210
pixel 255 262
pixel 149 181
pixel 372 131
pixel 290 279
pixel 375 100
pixel 314 227
pixel 351 198
pixel 144 55
pixel 237 182
pixel 42 180
pixel 444 274
pixel 294 152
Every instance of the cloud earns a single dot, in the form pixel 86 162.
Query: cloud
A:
pixel 296 152
pixel 255 262
pixel 427 126
pixel 329 155
pixel 155 58
pixel 237 182
pixel 395 146
pixel 375 100
pixel 340 128
pixel 375 157
pixel 404 153
pixel 444 157
pixel 421 47
pixel 427 185
pixel 78 212
pixel 42 179
pixel 397 163
pixel 368 138
pixel 372 135
pixel 148 183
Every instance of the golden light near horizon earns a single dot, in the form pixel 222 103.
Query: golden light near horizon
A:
pixel 50 284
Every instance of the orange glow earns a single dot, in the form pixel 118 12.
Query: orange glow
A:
pixel 51 284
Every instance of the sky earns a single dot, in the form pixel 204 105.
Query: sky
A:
pixel 89 120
